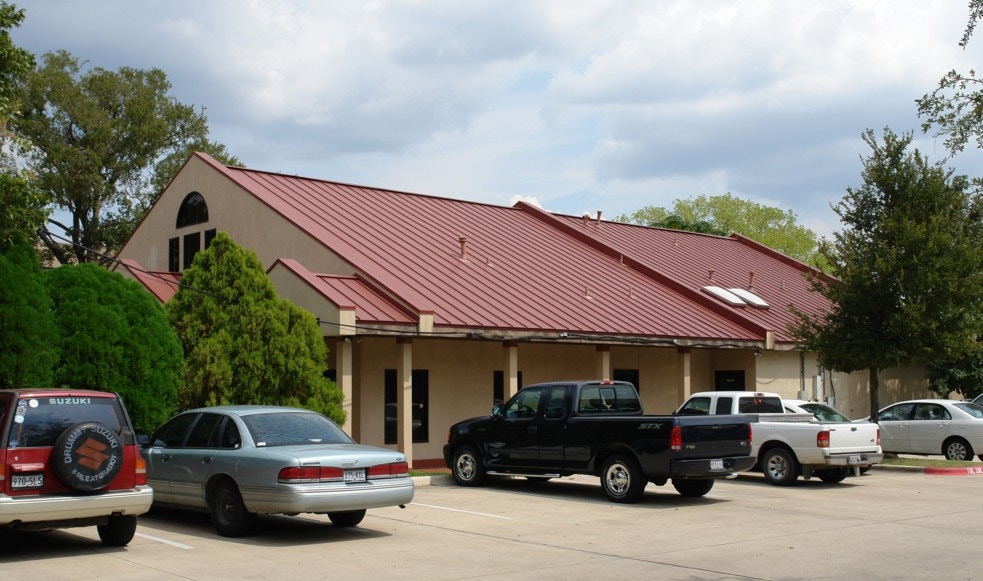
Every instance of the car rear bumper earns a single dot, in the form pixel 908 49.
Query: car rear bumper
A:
pixel 333 497
pixel 855 459
pixel 703 467
pixel 63 510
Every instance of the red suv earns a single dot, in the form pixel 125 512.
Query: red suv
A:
pixel 69 458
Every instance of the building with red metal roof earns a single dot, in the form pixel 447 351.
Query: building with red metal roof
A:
pixel 434 308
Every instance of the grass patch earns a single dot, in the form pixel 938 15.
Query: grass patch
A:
pixel 934 462
pixel 429 472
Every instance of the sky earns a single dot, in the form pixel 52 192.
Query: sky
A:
pixel 577 107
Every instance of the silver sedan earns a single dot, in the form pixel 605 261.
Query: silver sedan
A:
pixel 933 426
pixel 239 461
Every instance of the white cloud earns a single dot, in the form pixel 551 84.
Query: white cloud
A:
pixel 607 105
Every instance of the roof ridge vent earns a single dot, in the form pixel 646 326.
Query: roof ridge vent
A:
pixel 464 248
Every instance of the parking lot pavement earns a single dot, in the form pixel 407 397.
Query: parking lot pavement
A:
pixel 883 525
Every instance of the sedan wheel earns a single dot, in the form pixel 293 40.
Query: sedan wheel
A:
pixel 229 514
pixel 957 449
pixel 346 519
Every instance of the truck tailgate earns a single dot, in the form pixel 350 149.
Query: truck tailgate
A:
pixel 717 436
pixel 849 438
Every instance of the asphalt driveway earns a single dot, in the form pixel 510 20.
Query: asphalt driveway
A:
pixel 887 524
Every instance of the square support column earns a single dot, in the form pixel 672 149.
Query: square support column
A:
pixel 511 368
pixel 604 362
pixel 343 372
pixel 684 376
pixel 404 399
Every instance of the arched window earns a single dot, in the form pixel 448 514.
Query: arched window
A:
pixel 193 210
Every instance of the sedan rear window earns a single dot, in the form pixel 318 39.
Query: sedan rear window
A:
pixel 292 429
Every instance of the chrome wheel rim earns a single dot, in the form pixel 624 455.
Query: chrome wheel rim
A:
pixel 465 466
pixel 777 467
pixel 617 479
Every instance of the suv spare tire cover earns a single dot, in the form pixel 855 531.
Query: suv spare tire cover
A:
pixel 87 456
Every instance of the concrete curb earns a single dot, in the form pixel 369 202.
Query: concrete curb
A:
pixel 433 480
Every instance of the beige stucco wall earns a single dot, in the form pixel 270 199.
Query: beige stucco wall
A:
pixel 250 223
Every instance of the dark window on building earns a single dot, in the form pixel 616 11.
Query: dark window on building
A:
pixel 629 375
pixel 209 236
pixel 498 386
pixel 174 255
pixel 193 211
pixel 192 244
pixel 420 404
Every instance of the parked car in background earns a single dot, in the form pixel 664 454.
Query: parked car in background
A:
pixel 823 412
pixel 978 400
pixel 239 461
pixel 69 458
pixel 933 426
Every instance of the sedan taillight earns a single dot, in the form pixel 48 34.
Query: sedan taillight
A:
pixel 392 470
pixel 305 474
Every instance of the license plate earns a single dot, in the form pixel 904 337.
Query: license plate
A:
pixel 19 481
pixel 854 459
pixel 355 475
pixel 716 465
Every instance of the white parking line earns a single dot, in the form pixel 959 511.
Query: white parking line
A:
pixel 464 511
pixel 165 541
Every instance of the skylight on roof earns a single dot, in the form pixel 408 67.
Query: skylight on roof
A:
pixel 750 298
pixel 725 295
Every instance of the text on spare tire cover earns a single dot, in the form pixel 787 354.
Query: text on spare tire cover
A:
pixel 92 453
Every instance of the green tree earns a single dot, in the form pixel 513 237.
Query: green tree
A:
pixel 907 268
pixel 101 144
pixel 727 213
pixel 22 207
pixel 955 107
pixel 242 343
pixel 115 337
pixel 27 329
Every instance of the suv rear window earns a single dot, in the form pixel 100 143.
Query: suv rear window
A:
pixel 39 421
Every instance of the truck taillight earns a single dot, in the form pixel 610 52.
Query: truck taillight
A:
pixel 676 439
pixel 822 439
pixel 878 436
pixel 749 438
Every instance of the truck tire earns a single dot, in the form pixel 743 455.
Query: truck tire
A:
pixel 349 518
pixel 622 479
pixel 780 467
pixel 87 456
pixel 693 488
pixel 466 467
pixel 833 475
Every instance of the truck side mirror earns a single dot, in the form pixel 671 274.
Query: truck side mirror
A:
pixel 497 409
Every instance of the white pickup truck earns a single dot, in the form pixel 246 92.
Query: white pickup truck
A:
pixel 791 444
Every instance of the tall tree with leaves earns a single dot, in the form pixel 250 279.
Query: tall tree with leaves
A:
pixel 22 207
pixel 955 107
pixel 727 213
pixel 242 343
pixel 101 144
pixel 114 336
pixel 27 328
pixel 907 268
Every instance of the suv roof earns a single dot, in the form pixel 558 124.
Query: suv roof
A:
pixel 68 457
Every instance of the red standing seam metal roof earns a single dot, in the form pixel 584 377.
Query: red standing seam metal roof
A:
pixel 162 285
pixel 526 270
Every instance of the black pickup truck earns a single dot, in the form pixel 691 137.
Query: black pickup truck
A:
pixel 549 430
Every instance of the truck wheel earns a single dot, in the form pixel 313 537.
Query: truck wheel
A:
pixel 693 488
pixel 622 479
pixel 780 467
pixel 957 449
pixel 467 468
pixel 833 475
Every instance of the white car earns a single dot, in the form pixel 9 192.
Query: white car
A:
pixel 933 426
pixel 823 412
